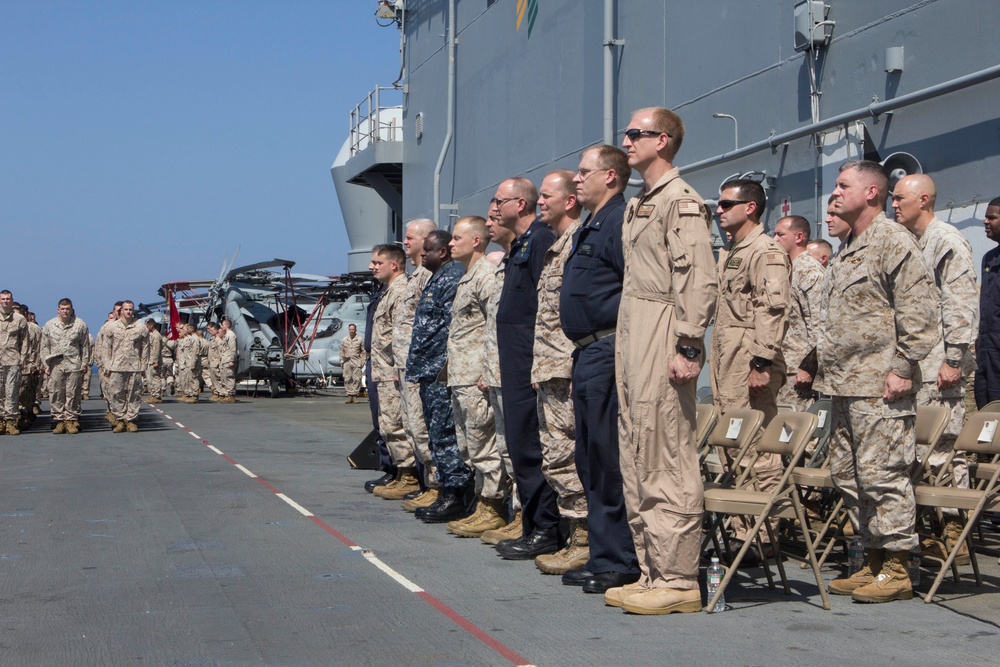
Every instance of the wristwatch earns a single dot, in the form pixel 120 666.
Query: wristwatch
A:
pixel 760 363
pixel 689 352
pixel 954 363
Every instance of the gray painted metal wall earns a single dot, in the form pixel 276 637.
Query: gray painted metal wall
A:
pixel 528 104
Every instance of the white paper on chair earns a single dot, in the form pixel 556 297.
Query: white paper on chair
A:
pixel 786 434
pixel 735 426
pixel 989 430
pixel 821 414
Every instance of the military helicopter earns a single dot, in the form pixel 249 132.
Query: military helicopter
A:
pixel 288 325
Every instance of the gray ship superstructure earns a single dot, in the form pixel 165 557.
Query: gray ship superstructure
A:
pixel 782 91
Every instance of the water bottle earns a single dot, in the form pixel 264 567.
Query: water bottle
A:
pixel 715 574
pixel 855 556
pixel 915 567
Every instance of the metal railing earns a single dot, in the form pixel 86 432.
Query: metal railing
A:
pixel 371 121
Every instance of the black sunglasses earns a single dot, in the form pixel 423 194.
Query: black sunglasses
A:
pixel 726 204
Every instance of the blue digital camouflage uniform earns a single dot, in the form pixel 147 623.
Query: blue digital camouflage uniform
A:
pixel 428 356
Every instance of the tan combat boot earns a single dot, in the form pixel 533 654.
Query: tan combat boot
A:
pixel 3 427
pixel 615 597
pixel 131 427
pixel 406 482
pixel 60 428
pixel 72 427
pixel 573 556
pixel 511 531
pixel 12 428
pixel 952 531
pixel 663 601
pixel 110 418
pixel 863 577
pixel 425 499
pixel 892 583
pixel 488 516
pixel 119 426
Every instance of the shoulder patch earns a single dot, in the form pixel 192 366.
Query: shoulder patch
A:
pixel 689 207
pixel 775 258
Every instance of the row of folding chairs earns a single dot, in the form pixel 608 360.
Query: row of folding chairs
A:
pixel 732 489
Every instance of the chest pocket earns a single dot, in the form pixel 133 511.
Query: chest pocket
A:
pixel 519 272
pixel 737 290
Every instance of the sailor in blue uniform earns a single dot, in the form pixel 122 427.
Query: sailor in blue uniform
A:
pixel 987 383
pixel 591 292
pixel 515 201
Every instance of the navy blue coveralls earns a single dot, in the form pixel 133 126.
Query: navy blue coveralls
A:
pixel 384 460
pixel 588 306
pixel 516 313
pixel 428 356
pixel 987 383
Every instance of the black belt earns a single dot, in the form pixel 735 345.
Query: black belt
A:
pixel 593 338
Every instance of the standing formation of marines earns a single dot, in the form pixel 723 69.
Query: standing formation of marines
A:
pixel 564 378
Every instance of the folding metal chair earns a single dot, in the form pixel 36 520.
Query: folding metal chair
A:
pixel 980 435
pixel 930 424
pixel 786 435
pixel 735 430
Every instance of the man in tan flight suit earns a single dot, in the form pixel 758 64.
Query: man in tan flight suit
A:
pixel 882 317
pixel 14 350
pixel 388 265
pixel 409 392
pixel 792 234
pixel 155 376
pixel 944 371
pixel 352 362
pixel 126 356
pixel 668 299
pixel 475 427
pixel 65 340
pixel 552 373
pixel 746 364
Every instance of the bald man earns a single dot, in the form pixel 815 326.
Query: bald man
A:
pixel 820 250
pixel 944 371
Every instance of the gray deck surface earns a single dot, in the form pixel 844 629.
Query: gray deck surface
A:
pixel 152 549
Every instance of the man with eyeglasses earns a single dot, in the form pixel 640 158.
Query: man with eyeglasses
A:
pixel 667 302
pixel 551 373
pixel 589 300
pixel 515 201
pixel 746 362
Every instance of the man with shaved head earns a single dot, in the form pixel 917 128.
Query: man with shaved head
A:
pixel 943 372
pixel 882 317
pixel 820 250
pixel 792 233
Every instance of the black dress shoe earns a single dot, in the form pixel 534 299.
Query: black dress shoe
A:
pixel 450 506
pixel 381 481
pixel 576 577
pixel 602 581
pixel 540 541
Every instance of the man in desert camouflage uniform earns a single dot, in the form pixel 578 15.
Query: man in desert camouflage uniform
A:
pixel 882 317
pixel 388 265
pixel 352 362
pixel 88 364
pixel 14 350
pixel 212 360
pixel 489 383
pixel 126 356
pixel 409 392
pixel 943 372
pixel 155 376
pixel 187 355
pixel 668 299
pixel 225 370
pixel 475 427
pixel 32 377
pixel 64 350
pixel 792 234
pixel 427 364
pixel 97 357
pixel 552 372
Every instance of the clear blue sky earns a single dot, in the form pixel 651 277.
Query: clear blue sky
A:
pixel 141 142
